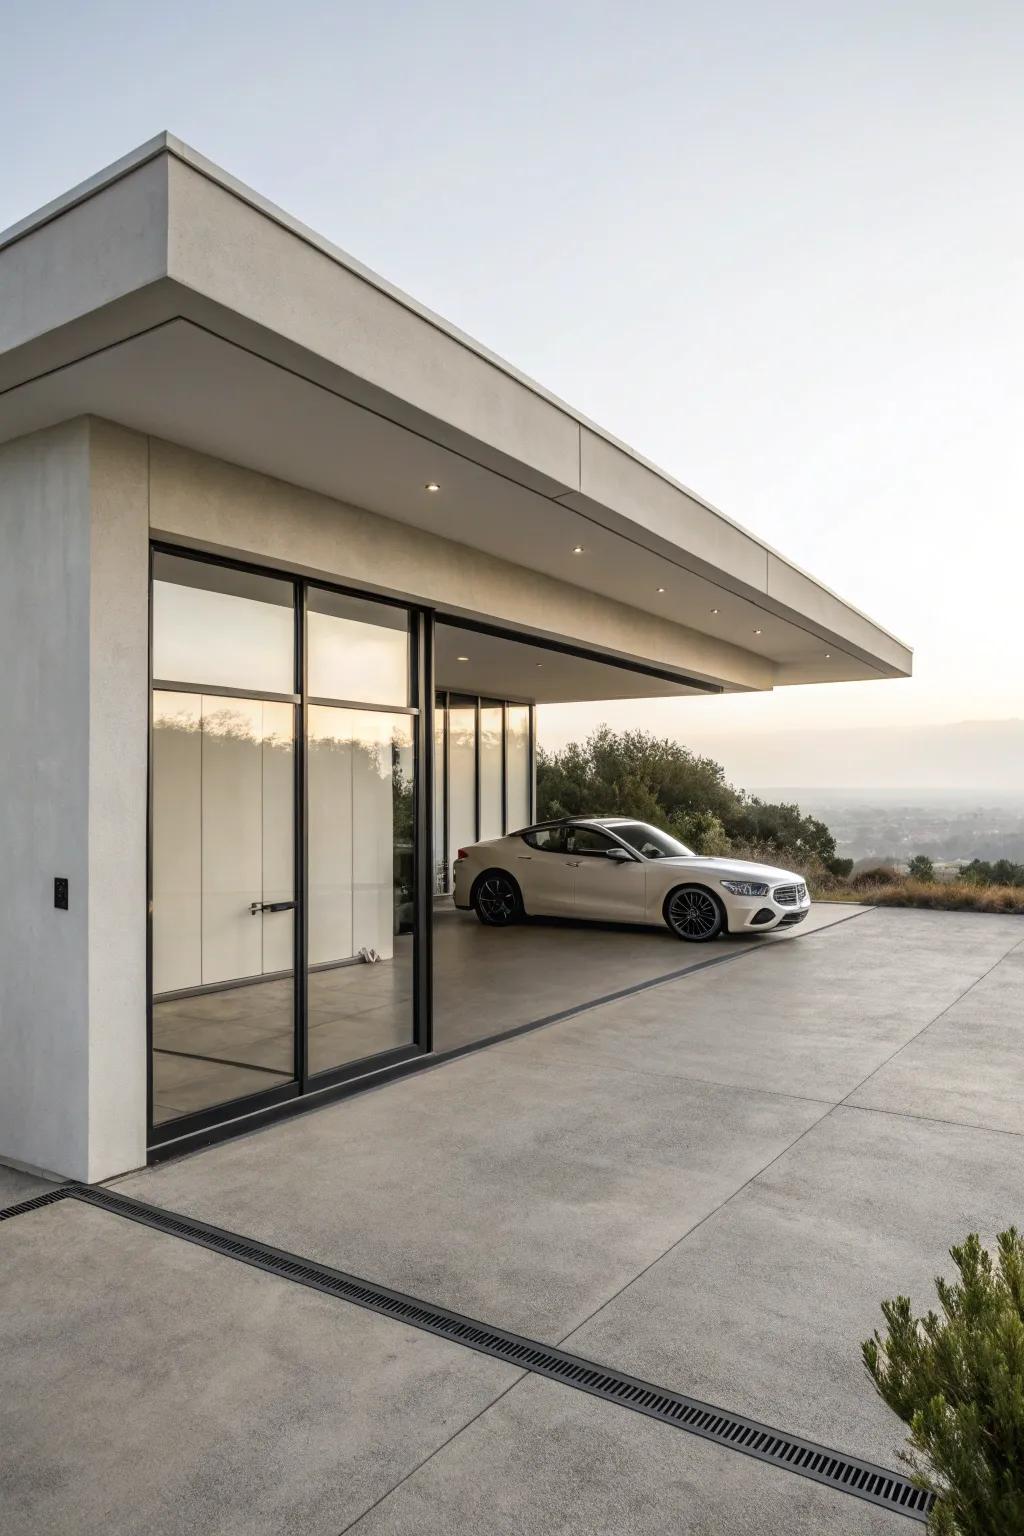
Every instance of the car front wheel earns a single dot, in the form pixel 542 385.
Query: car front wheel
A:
pixel 496 899
pixel 693 914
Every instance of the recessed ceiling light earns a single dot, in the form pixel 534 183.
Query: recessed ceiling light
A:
pixel 431 485
pixel 540 663
pixel 828 655
pixel 462 658
pixel 714 610
pixel 661 589
pixel 757 631
pixel 577 549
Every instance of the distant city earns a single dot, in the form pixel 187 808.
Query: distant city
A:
pixel 891 825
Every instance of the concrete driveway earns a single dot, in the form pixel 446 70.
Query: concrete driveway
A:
pixel 710 1184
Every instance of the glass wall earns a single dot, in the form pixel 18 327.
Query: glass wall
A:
pixel 461 778
pixel 492 751
pixel 520 767
pixel 483 775
pixel 234 1017
pixel 361 887
pixel 223 769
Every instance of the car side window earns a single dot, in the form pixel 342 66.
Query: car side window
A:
pixel 588 840
pixel 547 839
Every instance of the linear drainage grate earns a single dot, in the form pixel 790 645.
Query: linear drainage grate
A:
pixel 46 1198
pixel 846 1474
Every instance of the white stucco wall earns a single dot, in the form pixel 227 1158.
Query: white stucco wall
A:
pixel 73 637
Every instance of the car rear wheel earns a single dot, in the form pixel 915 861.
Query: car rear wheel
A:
pixel 694 914
pixel 497 900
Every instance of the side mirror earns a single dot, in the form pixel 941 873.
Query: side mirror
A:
pixel 618 856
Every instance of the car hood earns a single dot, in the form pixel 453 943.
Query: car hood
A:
pixel 728 869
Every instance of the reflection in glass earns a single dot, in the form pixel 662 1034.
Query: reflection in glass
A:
pixel 461 780
pixel 491 772
pixel 440 863
pixel 223 775
pixel 519 772
pixel 358 650
pixel 361 886
pixel 221 627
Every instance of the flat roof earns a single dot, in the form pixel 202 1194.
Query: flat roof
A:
pixel 168 250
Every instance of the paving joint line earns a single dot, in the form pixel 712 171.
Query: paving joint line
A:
pixel 834 1469
pixel 925 1027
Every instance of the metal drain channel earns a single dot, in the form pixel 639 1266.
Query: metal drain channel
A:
pixel 835 1469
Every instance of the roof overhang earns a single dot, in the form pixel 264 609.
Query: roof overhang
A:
pixel 164 295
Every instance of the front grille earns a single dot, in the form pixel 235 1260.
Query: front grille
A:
pixel 789 895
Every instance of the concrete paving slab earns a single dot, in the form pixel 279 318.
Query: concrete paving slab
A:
pixel 762 1308
pixel 547 1461
pixel 492 1185
pixel 969 1065
pixel 148 1386
pixel 489 980
pixel 811 1017
pixel 15 1186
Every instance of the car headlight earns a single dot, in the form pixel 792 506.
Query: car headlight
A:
pixel 746 887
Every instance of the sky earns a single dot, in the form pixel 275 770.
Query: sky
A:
pixel 778 249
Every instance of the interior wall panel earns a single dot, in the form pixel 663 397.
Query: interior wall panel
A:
pixel 232 837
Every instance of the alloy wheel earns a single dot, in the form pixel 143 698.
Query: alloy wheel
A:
pixel 694 914
pixel 496 899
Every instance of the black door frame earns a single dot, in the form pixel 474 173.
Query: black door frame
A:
pixel 236 1116
pixel 172 1137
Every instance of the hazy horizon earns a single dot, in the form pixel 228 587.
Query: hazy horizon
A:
pixel 775 249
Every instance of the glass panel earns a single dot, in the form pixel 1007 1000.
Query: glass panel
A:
pixel 440 863
pixel 461 780
pixel 547 839
pixel 491 772
pixel 358 650
pixel 223 844
pixel 519 814
pixel 361 890
pixel 587 840
pixel 225 628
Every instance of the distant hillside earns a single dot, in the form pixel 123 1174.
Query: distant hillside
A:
pixel 972 755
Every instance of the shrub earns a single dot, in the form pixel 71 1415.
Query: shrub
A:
pixel 883 874
pixel 957 1379
pixel 921 868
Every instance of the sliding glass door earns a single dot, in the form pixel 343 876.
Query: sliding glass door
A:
pixel 284 791
pixel 361 775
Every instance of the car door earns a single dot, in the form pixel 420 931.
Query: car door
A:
pixel 545 873
pixel 603 887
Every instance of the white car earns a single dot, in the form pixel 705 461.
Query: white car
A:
pixel 615 869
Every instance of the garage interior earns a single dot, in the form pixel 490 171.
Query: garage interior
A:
pixel 224 1003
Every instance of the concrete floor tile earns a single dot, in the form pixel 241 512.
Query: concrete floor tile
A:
pixel 763 1307
pixel 493 1184
pixel 810 1017
pixel 16 1186
pixel 969 1065
pixel 548 1461
pixel 151 1388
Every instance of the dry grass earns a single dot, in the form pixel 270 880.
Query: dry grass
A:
pixel 886 887
pixel 941 896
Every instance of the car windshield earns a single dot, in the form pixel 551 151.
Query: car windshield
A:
pixel 649 841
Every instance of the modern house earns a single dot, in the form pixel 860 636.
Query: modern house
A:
pixel 287 563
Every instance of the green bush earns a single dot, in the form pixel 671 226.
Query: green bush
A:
pixel 957 1379
pixel 881 874
pixel 921 868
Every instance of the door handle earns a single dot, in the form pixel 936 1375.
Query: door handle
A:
pixel 271 906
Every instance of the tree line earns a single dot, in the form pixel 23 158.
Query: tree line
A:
pixel 634 773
